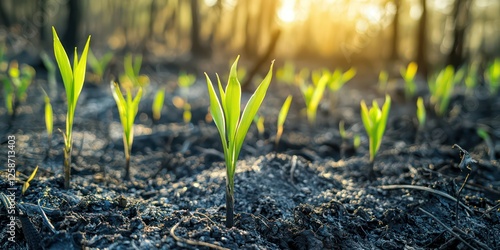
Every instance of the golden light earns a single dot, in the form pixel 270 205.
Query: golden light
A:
pixel 286 12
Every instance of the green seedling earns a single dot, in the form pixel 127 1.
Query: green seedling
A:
pixel 233 127
pixel 132 77
pixel 19 79
pixel 441 88
pixel 481 132
pixel 259 123
pixel 492 76
pixel 51 71
pixel 375 121
pixel 158 102
pixel 185 81
pixel 26 184
pixel 339 78
pixel 313 95
pixel 421 114
pixel 408 75
pixel 127 107
pixel 286 74
pixel 383 80
pixel 73 79
pixel 282 118
pixel 342 132
pixel 471 78
pixel 356 141
pixel 99 66
pixel 49 119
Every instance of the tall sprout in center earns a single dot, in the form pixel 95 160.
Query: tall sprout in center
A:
pixel 233 128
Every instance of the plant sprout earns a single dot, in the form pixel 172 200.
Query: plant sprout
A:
pixel 356 141
pixel 132 77
pixel 375 121
pixel 471 78
pixel 441 87
pixel 158 104
pixel 420 113
pixel 492 76
pixel 26 184
pixel 20 79
pixel 383 79
pixel 313 95
pixel 231 126
pixel 342 132
pixel 51 71
pixel 339 78
pixel 185 81
pixel 73 79
pixel 49 120
pixel 408 75
pixel 99 65
pixel 127 107
pixel 282 118
pixel 259 123
pixel 286 73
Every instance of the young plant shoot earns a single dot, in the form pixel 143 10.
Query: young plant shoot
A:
pixel 233 127
pixel 158 104
pixel 132 77
pixel 492 76
pixel 421 114
pixel 73 79
pixel 313 95
pixel 282 118
pixel 375 120
pixel 383 79
pixel 99 65
pixel 441 87
pixel 127 107
pixel 49 120
pixel 408 75
pixel 26 184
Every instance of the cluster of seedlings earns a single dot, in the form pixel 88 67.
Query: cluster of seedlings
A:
pixel 232 124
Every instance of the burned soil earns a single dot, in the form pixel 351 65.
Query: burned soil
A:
pixel 312 191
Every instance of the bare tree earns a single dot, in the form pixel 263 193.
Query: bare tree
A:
pixel 461 18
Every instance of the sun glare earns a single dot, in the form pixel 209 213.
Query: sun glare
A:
pixel 286 12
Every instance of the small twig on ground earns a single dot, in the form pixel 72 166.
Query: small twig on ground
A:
pixel 193 242
pixel 427 190
pixel 447 228
pixel 465 165
pixel 491 209
pixel 46 219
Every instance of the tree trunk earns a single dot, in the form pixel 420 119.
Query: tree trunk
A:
pixel 422 40
pixel 70 38
pixel 460 19
pixel 196 45
pixel 395 33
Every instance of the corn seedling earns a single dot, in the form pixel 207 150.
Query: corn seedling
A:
pixel 356 141
pixel 186 114
pixel 73 79
pixel 441 88
pixel 282 118
pixel 51 71
pixel 233 128
pixel 313 95
pixel 185 81
pixel 158 104
pixel 26 184
pixel 492 76
pixel 132 77
pixel 471 78
pixel 375 121
pixel 49 119
pixel 286 74
pixel 342 132
pixel 339 78
pixel 259 123
pixel 127 107
pixel 19 79
pixel 383 79
pixel 421 114
pixel 481 132
pixel 99 66
pixel 408 75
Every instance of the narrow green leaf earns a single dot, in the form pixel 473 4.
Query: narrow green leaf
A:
pixel 27 182
pixel 158 102
pixel 217 114
pixel 49 123
pixel 284 111
pixel 64 65
pixel 251 110
pixel 79 73
pixel 232 104
pixel 421 112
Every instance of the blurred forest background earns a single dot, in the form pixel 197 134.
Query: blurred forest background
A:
pixel 330 32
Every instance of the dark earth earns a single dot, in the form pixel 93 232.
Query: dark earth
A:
pixel 312 191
